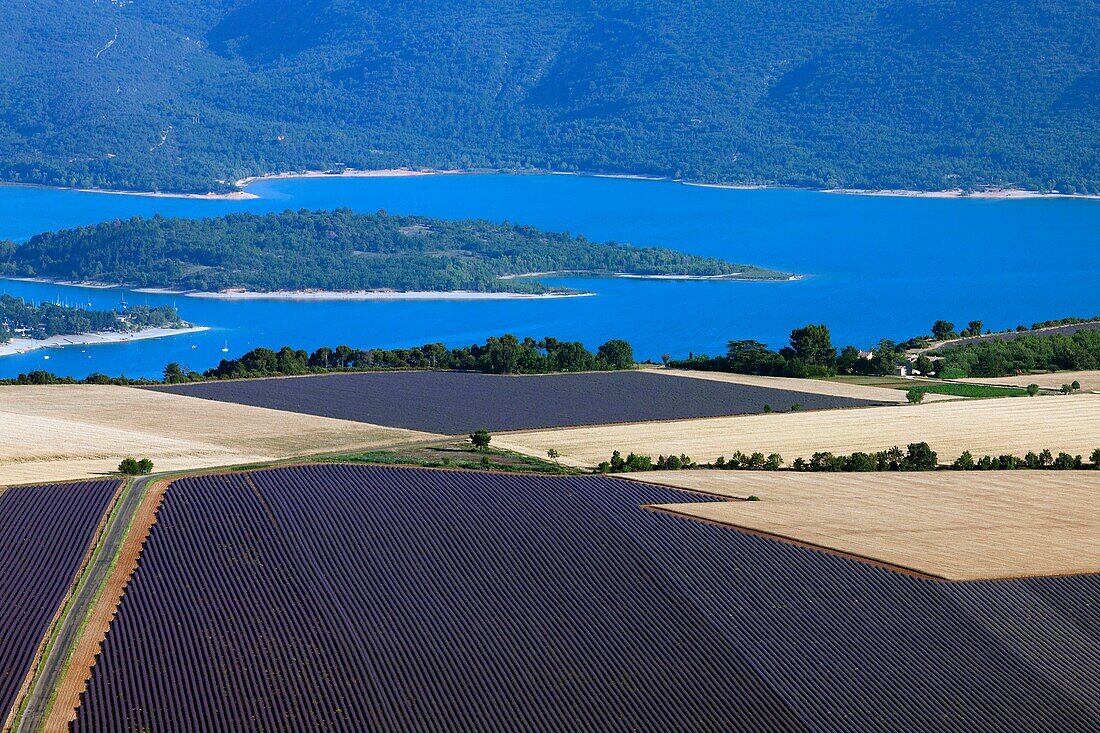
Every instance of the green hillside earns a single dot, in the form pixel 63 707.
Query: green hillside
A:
pixel 161 94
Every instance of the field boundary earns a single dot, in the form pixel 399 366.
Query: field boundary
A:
pixel 47 638
pixel 671 510
pixel 65 693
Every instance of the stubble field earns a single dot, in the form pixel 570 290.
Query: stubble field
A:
pixel 954 525
pixel 1016 425
pixel 62 432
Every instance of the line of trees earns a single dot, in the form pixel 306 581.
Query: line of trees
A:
pixel 505 354
pixel 811 353
pixel 916 457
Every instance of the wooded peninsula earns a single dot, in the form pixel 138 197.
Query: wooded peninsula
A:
pixel 340 251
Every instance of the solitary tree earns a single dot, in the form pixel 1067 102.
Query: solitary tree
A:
pixel 174 374
pixel 974 328
pixel 1075 385
pixel 481 438
pixel 914 396
pixel 553 454
pixel 129 467
pixel 616 354
pixel 1095 457
pixel 145 466
pixel 813 345
pixel 1067 389
pixel 1032 390
pixel 943 330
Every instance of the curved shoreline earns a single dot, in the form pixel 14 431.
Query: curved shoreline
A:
pixel 313 294
pixel 729 277
pixel 17 346
pixel 243 183
pixel 332 295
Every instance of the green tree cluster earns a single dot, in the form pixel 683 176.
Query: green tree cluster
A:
pixel 42 320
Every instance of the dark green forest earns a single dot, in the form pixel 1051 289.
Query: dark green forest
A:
pixel 334 250
pixel 42 320
pixel 166 95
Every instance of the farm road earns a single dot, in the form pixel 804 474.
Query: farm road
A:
pixel 68 631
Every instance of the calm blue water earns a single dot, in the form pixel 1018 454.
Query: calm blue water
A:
pixel 879 267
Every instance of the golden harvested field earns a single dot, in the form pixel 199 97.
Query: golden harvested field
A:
pixel 958 526
pixel 61 432
pixel 811 386
pixel 1090 381
pixel 1007 425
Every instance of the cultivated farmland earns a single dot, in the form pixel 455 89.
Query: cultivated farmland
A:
pixel 957 525
pixel 1089 380
pixel 1015 425
pixel 417 600
pixel 45 534
pixel 60 432
pixel 834 388
pixel 459 402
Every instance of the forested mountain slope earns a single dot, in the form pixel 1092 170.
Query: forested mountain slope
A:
pixel 179 95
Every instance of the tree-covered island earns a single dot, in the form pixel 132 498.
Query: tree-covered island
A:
pixel 339 251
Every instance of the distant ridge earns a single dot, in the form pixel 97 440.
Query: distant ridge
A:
pixel 864 94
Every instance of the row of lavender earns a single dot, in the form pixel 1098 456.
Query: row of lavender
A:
pixel 45 533
pixel 360 598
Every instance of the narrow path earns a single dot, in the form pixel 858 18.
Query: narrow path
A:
pixel 53 667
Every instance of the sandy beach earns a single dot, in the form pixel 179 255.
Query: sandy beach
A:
pixel 630 276
pixel 348 173
pixel 22 346
pixel 316 295
pixel 958 193
pixel 1005 193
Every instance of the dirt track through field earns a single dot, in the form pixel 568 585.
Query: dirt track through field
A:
pixel 809 386
pixel 67 666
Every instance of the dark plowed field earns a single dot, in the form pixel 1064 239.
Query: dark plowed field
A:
pixel 382 599
pixel 45 532
pixel 458 402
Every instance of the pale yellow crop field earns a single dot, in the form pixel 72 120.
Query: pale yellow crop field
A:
pixel 1090 380
pixel 993 426
pixel 954 525
pixel 810 386
pixel 61 432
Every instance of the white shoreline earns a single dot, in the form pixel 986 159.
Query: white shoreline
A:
pixel 348 173
pixel 733 276
pixel 238 294
pixel 992 193
pixel 22 346
pixel 332 295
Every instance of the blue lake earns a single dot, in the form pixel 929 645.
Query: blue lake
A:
pixel 877 267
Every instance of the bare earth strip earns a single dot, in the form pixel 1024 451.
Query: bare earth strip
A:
pixel 44 644
pixel 1090 380
pixel 953 525
pixel 1007 425
pixel 62 432
pixel 810 386
pixel 71 682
